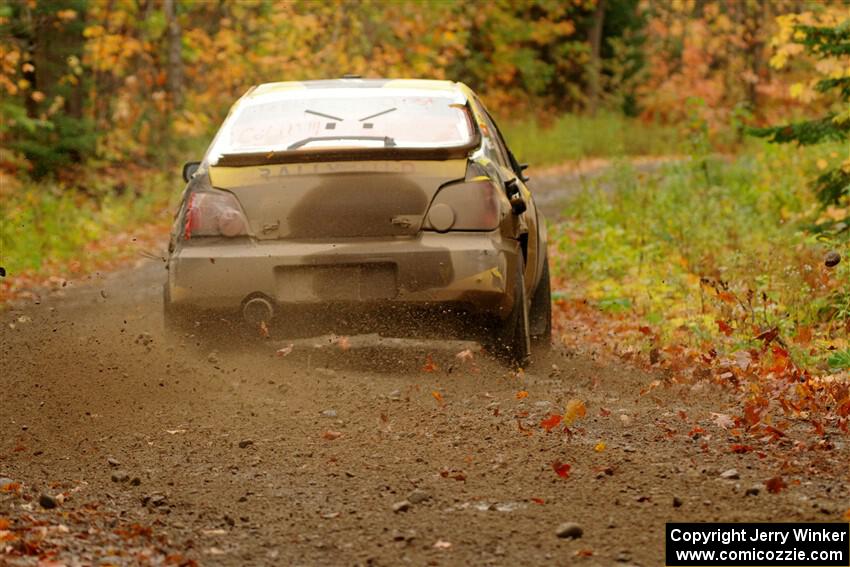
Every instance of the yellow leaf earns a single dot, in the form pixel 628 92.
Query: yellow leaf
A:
pixel 600 447
pixel 575 409
pixel 521 394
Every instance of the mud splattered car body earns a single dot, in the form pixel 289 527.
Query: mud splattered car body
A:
pixel 364 195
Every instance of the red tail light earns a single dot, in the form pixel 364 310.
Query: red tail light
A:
pixel 471 205
pixel 214 214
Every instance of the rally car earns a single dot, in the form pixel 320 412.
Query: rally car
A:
pixel 362 196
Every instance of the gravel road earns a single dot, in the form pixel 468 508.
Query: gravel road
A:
pixel 381 453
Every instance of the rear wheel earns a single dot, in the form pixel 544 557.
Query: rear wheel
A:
pixel 540 312
pixel 511 339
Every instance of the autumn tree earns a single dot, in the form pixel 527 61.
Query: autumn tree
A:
pixel 829 43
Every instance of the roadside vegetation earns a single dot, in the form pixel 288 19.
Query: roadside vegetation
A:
pixel 573 137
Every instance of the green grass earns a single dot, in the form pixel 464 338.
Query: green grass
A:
pixel 573 137
pixel 708 240
pixel 46 223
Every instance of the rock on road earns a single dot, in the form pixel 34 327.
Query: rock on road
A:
pixel 232 455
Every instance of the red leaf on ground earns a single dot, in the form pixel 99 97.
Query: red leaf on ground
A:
pixel 774 433
pixel 604 412
pixel 561 469
pixel 332 435
pixel 550 422
pixel 584 553
pixel 741 449
pixel 696 432
pixel 768 335
pixel 775 485
pixel 437 396
pixel 521 394
pixel 724 327
pixel 726 296
pixel 804 335
pixel 645 330
pixel 538 501
pixel 429 365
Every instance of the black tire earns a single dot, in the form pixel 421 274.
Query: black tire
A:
pixel 511 340
pixel 540 312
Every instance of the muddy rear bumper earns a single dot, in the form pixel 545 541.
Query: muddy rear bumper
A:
pixel 466 269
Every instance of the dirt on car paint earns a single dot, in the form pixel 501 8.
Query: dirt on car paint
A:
pixel 122 446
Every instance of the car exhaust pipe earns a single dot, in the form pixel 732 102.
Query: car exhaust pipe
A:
pixel 257 310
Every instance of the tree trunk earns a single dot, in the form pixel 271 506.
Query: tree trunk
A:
pixel 595 68
pixel 175 57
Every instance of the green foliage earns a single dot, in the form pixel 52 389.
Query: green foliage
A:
pixel 575 137
pixel 704 240
pixel 46 223
pixel 55 144
pixel 823 42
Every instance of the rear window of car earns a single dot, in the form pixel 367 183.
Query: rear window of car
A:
pixel 338 118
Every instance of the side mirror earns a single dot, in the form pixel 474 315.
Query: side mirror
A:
pixel 521 172
pixel 189 169
pixel 518 205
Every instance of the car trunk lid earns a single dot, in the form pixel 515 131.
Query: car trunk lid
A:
pixel 329 200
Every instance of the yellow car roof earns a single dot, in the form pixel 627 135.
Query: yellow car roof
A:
pixel 425 86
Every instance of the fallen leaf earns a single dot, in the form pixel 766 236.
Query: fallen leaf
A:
pixel 525 430
pixel 604 412
pixel 429 365
pixel 263 329
pixel 550 422
pixel 561 469
pixel 437 396
pixel 741 449
pixel 331 435
pixel 804 335
pixel 440 544
pixel 847 515
pixel 726 297
pixel 542 502
pixel 775 485
pixel 722 420
pixel 521 394
pixel 343 343
pixel 575 410
pixel 768 335
pixel 464 355
pixel 584 553
pixel 285 351
pixel 600 447
pixel 724 327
